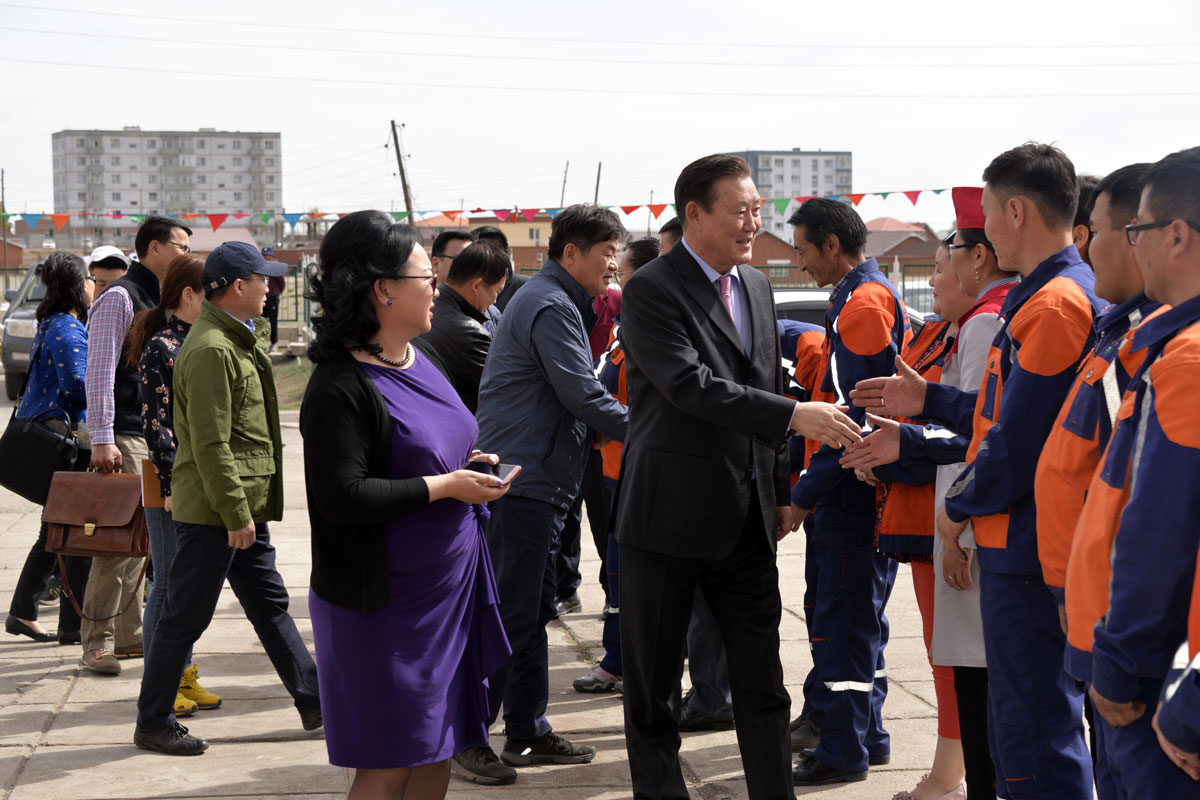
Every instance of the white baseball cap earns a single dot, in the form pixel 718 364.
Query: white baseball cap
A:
pixel 108 251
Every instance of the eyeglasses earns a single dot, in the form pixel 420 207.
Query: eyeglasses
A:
pixel 91 277
pixel 431 278
pixel 256 278
pixel 950 248
pixel 1132 231
pixel 183 248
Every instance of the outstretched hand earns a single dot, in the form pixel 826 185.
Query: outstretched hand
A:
pixel 901 395
pixel 881 446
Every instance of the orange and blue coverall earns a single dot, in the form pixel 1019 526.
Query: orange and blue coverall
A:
pixel 1035 711
pixel 866 328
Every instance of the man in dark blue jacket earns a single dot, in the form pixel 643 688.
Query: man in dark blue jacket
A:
pixel 537 399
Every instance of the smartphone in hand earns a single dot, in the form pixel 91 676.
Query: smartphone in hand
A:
pixel 505 472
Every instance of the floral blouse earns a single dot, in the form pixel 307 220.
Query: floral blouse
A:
pixel 56 376
pixel 155 370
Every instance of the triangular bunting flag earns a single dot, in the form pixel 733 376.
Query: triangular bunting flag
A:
pixel 912 196
pixel 342 214
pixel 856 198
pixel 938 191
pixel 240 216
pixel 553 212
pixel 762 201
pixel 60 220
pixel 629 209
pixel 673 208
pixel 138 218
pixel 399 215
pixel 32 220
pixel 476 210
pixel 803 199
pixel 316 215
pixel 5 217
pixel 190 217
pixel 883 194
pixel 781 204
pixel 266 218
pixel 529 213
pixel 452 214
pixel 502 214
pixel 117 215
pixel 216 219
pixel 292 219
pixel 657 209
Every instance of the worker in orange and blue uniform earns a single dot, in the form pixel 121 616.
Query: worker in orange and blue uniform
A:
pixel 1085 423
pixel 1152 460
pixel 1177 721
pixel 1035 710
pixel 866 329
pixel 806 343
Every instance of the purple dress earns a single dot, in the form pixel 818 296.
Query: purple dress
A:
pixel 406 685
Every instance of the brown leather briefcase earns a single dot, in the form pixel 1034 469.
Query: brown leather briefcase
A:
pixel 96 514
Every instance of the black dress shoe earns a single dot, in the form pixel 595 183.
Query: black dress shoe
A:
pixel 173 741
pixel 69 637
pixel 17 628
pixel 311 719
pixel 704 722
pixel 811 772
pixel 873 759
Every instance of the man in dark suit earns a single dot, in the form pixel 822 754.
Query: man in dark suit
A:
pixel 703 497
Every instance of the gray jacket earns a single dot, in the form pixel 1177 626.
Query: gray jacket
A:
pixel 539 395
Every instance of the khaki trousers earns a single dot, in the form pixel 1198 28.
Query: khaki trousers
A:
pixel 113 581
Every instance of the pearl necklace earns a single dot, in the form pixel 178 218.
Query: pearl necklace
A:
pixel 402 363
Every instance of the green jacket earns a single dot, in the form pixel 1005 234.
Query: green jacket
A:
pixel 229 463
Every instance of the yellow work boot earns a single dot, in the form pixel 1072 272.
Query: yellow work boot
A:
pixel 189 687
pixel 183 706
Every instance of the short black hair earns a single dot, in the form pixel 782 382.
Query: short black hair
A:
pixel 1174 184
pixel 1124 189
pixel 156 228
pixel 480 260
pixel 112 262
pixel 492 235
pixel 698 182
pixel 444 239
pixel 1041 172
pixel 642 251
pixel 822 216
pixel 63 274
pixel 583 225
pixel 673 227
pixel 1087 198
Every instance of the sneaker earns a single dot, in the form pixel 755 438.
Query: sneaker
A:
pixel 598 681
pixel 183 706
pixel 173 741
pixel 189 687
pixel 480 765
pixel 129 651
pixel 548 749
pixel 52 592
pixel 805 733
pixel 569 604
pixel 102 662
pixel 619 688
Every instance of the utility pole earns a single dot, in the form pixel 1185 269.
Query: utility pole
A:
pixel 649 214
pixel 596 197
pixel 562 197
pixel 403 175
pixel 4 209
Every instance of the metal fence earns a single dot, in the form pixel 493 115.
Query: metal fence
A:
pixel 914 287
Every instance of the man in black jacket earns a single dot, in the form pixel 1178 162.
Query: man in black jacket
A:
pixel 703 496
pixel 457 343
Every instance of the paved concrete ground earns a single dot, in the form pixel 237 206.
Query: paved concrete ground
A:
pixel 66 733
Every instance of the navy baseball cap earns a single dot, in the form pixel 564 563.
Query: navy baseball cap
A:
pixel 268 251
pixel 234 260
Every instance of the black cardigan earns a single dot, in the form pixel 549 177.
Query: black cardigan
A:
pixel 347 433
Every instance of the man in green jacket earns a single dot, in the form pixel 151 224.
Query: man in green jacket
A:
pixel 227 483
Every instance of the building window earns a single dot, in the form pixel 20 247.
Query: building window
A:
pixel 828 178
pixel 237 178
pixel 779 163
pixel 237 144
pixel 271 197
pixel 116 196
pixel 220 166
pixel 81 161
pixel 154 179
pixel 814 181
pixel 204 196
pixel 270 144
pixel 829 163
pixel 270 162
pixel 81 143
pixel 152 144
pixel 237 161
pixel 116 177
pixel 780 273
pixel 220 145
pixel 201 161
pixel 237 197
pixel 116 161
pixel 220 202
pixel 843 162
pixel 154 161
pixel 133 146
pixel 270 179
pixel 81 197
pixel 154 197
pixel 114 143
pixel 81 178
pixel 201 179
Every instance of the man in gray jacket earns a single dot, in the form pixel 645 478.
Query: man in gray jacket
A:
pixel 538 398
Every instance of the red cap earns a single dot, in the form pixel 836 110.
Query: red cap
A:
pixel 968 206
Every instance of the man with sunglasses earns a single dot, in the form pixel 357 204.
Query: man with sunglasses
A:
pixel 115 426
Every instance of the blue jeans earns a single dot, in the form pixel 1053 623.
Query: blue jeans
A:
pixel 162 553
pixel 523 538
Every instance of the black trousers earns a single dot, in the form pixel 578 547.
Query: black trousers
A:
pixel 202 562
pixel 271 312
pixel 970 688
pixel 39 566
pixel 742 590
pixel 597 498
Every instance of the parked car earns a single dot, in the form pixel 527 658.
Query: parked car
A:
pixel 20 325
pixel 809 305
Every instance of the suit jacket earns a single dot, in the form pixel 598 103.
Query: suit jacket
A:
pixel 707 423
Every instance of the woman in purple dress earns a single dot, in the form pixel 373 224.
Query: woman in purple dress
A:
pixel 403 601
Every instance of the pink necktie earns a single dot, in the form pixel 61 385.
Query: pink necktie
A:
pixel 723 282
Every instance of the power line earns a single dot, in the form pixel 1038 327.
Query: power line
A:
pixel 1066 94
pixel 575 59
pixel 1055 46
